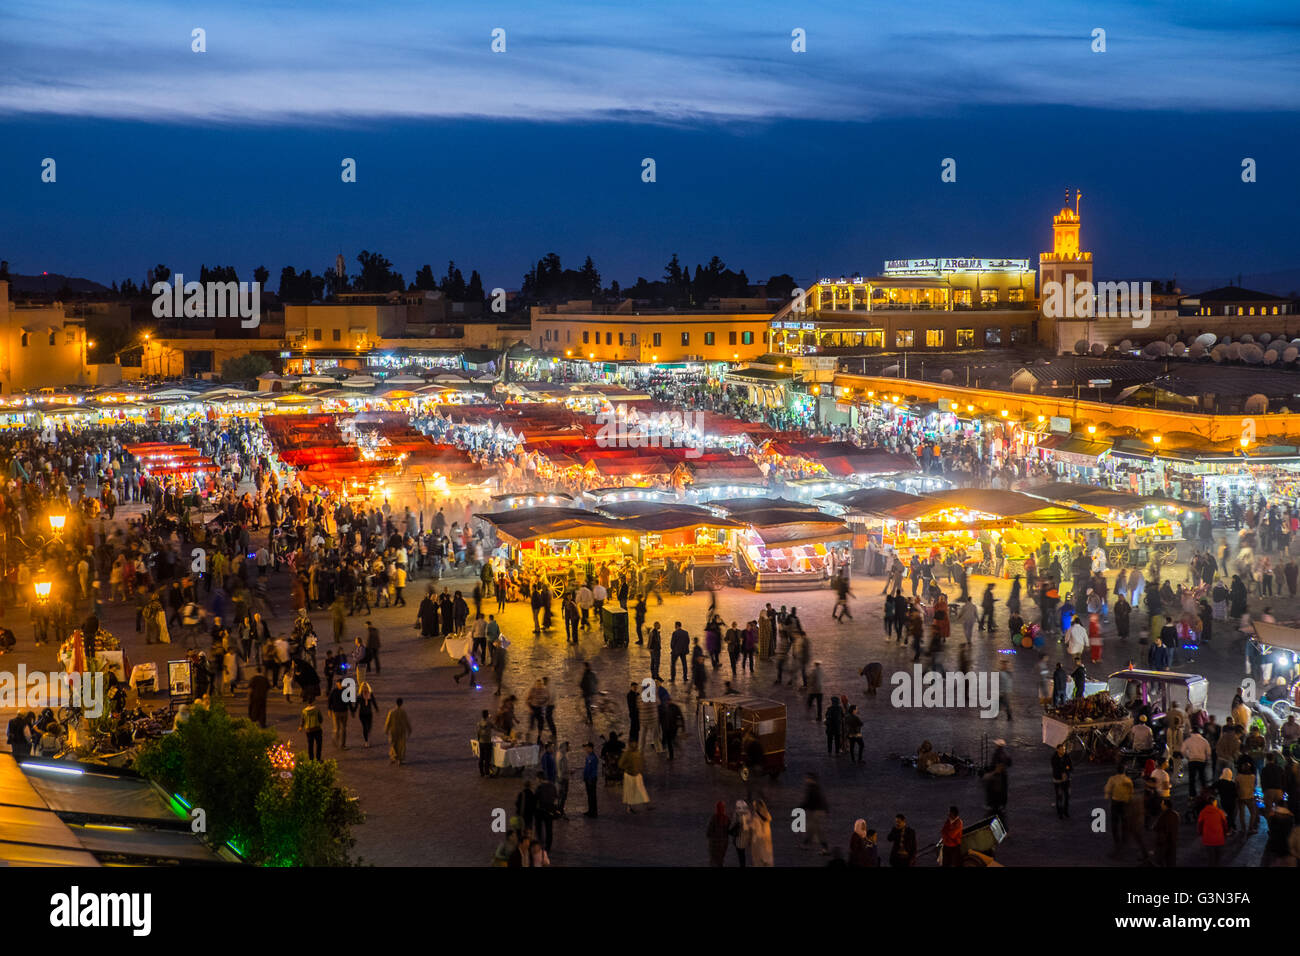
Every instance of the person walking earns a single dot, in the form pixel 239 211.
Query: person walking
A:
pixel 853 733
pixel 310 722
pixel 633 767
pixel 590 776
pixel 1062 767
pixel 397 725
pixel 1166 827
pixel 679 645
pixel 815 689
pixel 1211 826
pixel 817 809
pixel 587 685
pixel 654 644
pixel 259 688
pixel 834 727
pixel 340 710
pixel 718 834
pixel 546 810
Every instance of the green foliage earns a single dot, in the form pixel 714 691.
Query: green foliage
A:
pixel 244 368
pixel 306 821
pixel 220 763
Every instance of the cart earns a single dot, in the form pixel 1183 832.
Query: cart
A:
pixel 1095 739
pixel 745 734
pixel 978 842
pixel 512 760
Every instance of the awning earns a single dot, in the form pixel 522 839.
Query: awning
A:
pixel 1278 635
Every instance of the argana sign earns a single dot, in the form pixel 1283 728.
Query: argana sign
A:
pixel 897 266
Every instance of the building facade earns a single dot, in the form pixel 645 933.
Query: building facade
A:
pixel 650 337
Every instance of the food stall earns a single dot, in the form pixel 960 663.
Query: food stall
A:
pixel 676 536
pixel 786 545
pixel 561 545
pixel 1139 528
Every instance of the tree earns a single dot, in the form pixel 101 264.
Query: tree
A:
pixel 217 762
pixel 307 822
pixel 424 278
pixel 780 287
pixel 222 764
pixel 590 279
pixel 159 273
pixel 474 291
pixel 244 368
pixel 453 283
pixel 260 275
pixel 377 274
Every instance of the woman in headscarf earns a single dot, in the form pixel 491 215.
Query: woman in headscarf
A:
pixel 761 835
pixel 859 852
pixel 1226 790
pixel 718 834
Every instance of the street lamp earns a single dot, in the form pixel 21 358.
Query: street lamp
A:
pixel 57 522
pixel 42 587
pixel 1156 439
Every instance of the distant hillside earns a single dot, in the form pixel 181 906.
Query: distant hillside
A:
pixel 51 283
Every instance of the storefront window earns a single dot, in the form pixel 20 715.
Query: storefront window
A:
pixel 961 297
pixel 1016 295
pixel 988 296
pixel 965 338
pixel 904 339
pixel 934 338
pixel 992 337
pixel 1019 335
pixel 874 338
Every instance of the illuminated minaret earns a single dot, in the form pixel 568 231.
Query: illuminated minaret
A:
pixel 1065 258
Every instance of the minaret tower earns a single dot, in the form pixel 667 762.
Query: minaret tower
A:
pixel 1065 258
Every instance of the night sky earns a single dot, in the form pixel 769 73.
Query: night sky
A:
pixel 826 162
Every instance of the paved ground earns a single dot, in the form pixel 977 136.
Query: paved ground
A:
pixel 437 810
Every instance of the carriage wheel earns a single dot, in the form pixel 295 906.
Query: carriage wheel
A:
pixel 558 583
pixel 1118 557
pixel 716 578
pixel 1167 554
pixel 659 580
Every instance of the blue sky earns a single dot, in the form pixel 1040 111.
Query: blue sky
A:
pixel 825 161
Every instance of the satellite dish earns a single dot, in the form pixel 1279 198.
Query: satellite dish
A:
pixel 1265 338
pixel 946 375
pixel 1233 351
pixel 1156 349
pixel 1171 338
pixel 1226 340
pixel 1126 345
pixel 1290 353
pixel 1247 339
pixel 1081 347
pixel 1178 349
pixel 1207 340
pixel 1197 351
pixel 1097 349
pixel 1270 357
pixel 1252 354
pixel 1219 353
pixel 1256 405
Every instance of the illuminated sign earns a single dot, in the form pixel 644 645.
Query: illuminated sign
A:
pixel 928 266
